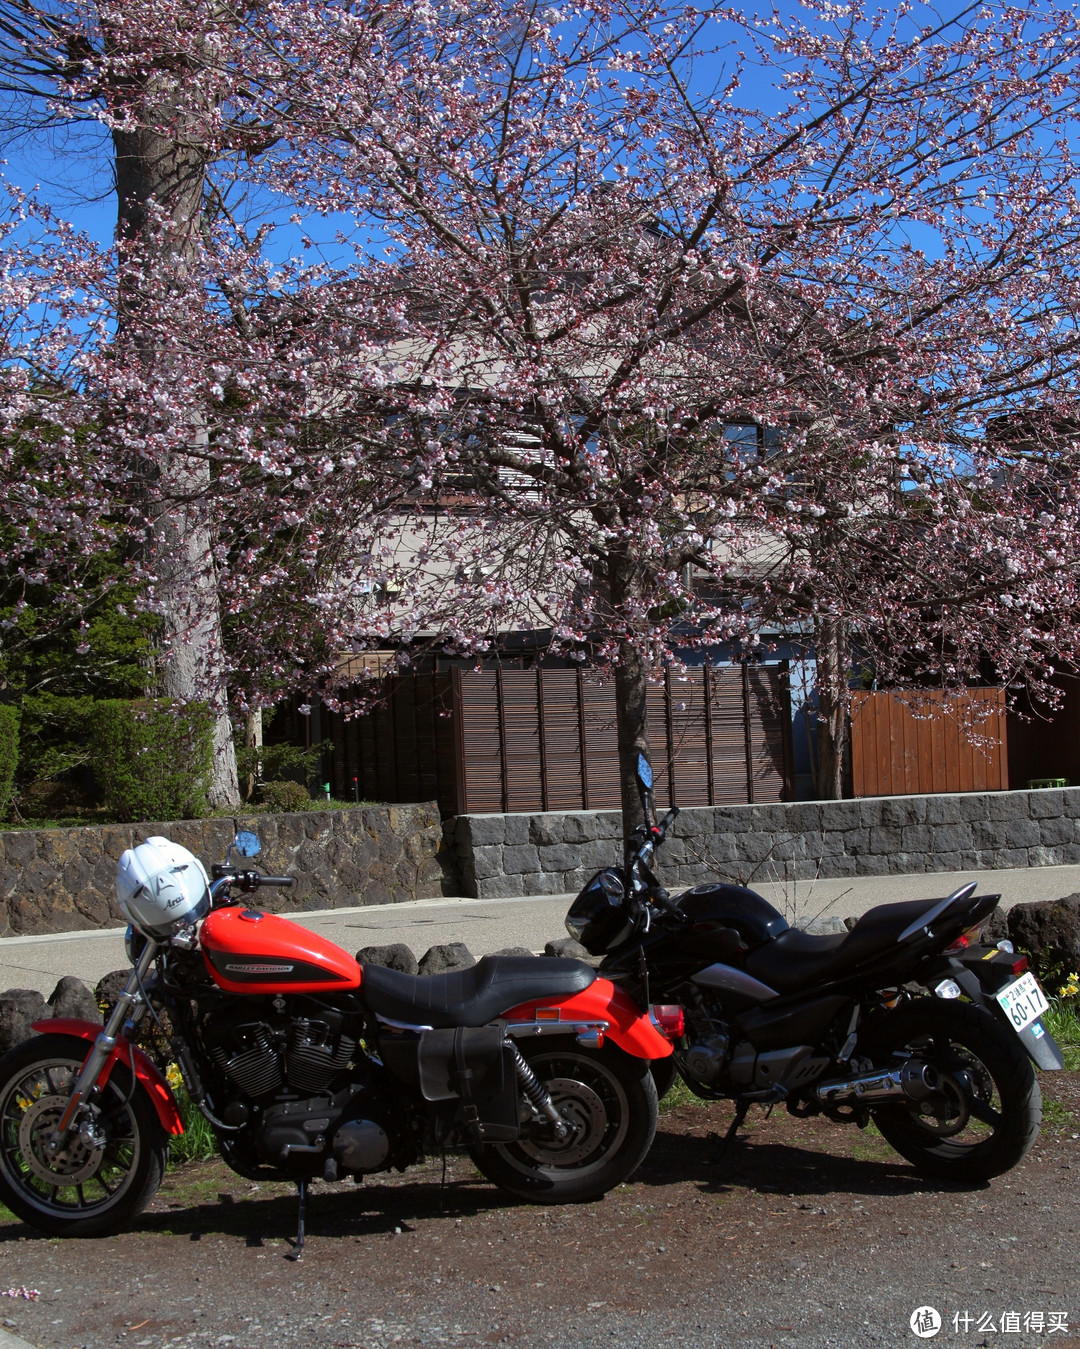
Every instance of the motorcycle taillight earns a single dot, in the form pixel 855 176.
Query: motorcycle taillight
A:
pixel 668 1019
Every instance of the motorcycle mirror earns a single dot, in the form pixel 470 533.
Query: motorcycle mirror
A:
pixel 644 772
pixel 247 844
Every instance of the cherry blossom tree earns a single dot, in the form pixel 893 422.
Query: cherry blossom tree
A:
pixel 649 326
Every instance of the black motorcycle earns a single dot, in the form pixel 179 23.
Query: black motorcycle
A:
pixel 907 1019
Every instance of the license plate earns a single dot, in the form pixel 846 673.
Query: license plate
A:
pixel 1023 1001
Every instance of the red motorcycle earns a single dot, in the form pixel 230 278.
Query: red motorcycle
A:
pixel 309 1066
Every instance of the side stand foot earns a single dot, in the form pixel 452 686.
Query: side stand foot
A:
pixel 736 1124
pixel 298 1244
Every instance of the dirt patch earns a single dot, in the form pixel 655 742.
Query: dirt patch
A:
pixel 807 1234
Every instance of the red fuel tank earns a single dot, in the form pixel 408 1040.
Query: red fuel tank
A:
pixel 248 951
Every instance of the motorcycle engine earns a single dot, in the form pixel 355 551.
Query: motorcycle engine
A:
pixel 302 1052
pixel 706 1058
pixel 310 1116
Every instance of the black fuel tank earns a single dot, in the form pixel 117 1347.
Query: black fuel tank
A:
pixel 732 906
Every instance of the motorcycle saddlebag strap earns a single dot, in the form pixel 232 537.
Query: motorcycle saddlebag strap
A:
pixel 473 1065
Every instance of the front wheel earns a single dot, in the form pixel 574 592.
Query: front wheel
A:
pixel 609 1101
pixel 106 1174
pixel 985 1114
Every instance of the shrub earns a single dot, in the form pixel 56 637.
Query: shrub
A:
pixel 9 753
pixel 285 796
pixel 54 739
pixel 279 763
pixel 152 759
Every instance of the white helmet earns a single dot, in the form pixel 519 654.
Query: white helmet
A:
pixel 160 885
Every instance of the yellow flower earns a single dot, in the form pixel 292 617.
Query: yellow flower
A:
pixel 173 1076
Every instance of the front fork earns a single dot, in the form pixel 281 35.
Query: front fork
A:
pixel 131 1005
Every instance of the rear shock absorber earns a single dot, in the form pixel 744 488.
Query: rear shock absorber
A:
pixel 535 1092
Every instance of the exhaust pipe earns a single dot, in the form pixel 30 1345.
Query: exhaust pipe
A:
pixel 915 1080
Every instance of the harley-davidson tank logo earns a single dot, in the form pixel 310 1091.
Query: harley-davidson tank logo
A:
pixel 248 968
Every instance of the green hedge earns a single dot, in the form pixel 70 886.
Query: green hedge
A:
pixel 152 759
pixel 9 753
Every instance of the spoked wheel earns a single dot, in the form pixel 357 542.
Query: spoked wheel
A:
pixel 106 1173
pixel 609 1101
pixel 984 1115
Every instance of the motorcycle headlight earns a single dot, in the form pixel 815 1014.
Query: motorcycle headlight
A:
pixel 134 943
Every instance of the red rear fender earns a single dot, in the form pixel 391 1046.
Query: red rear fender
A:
pixel 628 1026
pixel 146 1072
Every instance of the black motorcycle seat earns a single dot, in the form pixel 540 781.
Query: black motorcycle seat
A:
pixel 471 997
pixel 795 959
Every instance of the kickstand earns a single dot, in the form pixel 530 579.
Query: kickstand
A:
pixel 298 1245
pixel 733 1128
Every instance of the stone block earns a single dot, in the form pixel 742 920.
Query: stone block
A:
pixel 1007 806
pixel 840 814
pixel 884 839
pixel 950 837
pixel 943 809
pixel 844 865
pixel 1022 833
pixel 803 817
pixel 501 887
pixel 481 831
pixel 1043 804
pixel 1071 854
pixel 987 834
pixel 545 883
pixel 517 829
pixel 895 812
pixel 487 862
pixel 945 861
pixel 1045 857
pixel 520 859
pixel 975 807
pixel 918 837
pixel 603 853
pixel 871 865
pixel 1011 857
pixel 579 827
pixel 856 842
pixel 559 857
pixel 1058 829
pixel 1070 802
pixel 608 824
pixel 732 819
pixel 546 829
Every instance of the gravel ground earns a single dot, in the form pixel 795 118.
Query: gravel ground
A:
pixel 808 1235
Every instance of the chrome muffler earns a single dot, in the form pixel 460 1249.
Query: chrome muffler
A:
pixel 914 1079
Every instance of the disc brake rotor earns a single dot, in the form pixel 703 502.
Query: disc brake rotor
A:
pixel 73 1163
pixel 585 1113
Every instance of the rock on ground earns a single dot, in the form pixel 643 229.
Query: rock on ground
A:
pixel 19 1009
pixel 71 998
pixel 395 956
pixel 1049 931
pixel 453 955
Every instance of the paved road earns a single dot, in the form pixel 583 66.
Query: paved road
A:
pixel 491 924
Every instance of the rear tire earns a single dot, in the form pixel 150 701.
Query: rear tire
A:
pixel 986 1116
pixel 87 1190
pixel 610 1100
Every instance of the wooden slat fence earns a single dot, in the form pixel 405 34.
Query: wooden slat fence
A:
pixel 904 743
pixel 545 739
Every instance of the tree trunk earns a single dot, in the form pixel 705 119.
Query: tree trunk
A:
pixel 253 739
pixel 160 181
pixel 833 703
pixel 631 684
pixel 632 723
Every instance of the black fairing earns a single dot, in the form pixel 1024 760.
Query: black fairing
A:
pixel 711 908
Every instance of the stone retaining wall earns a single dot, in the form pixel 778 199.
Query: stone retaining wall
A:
pixel 63 880
pixel 555 852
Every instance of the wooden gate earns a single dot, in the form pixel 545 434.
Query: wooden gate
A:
pixel 905 743
pixel 545 739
